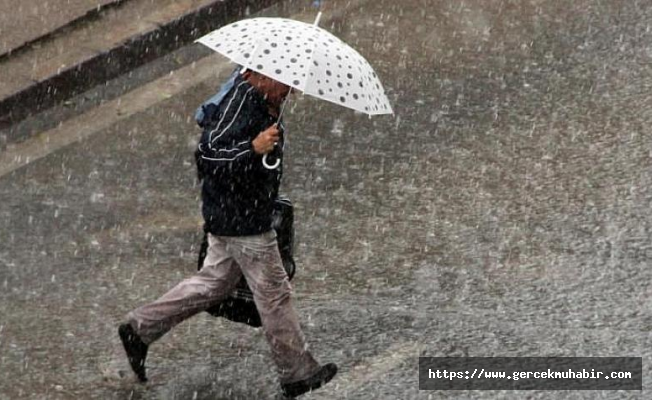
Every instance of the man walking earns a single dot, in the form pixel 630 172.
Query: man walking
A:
pixel 238 195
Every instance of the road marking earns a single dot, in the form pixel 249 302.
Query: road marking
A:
pixel 102 117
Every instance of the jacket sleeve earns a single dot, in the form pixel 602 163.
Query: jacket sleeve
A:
pixel 228 145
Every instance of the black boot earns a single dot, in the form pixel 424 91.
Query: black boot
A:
pixel 321 377
pixel 136 350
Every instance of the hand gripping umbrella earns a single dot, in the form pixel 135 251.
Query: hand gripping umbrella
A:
pixel 304 57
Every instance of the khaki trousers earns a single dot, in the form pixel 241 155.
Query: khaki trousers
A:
pixel 228 258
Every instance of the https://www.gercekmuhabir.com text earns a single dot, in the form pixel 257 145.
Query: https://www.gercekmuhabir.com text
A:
pixel 530 373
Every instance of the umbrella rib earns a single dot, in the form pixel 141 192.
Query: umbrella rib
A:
pixel 305 82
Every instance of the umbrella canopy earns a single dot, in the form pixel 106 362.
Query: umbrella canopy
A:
pixel 304 57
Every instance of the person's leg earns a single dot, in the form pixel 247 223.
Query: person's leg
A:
pixel 260 262
pixel 211 284
pixel 214 282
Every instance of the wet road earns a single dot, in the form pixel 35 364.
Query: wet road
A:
pixel 504 211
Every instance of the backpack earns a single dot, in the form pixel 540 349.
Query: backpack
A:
pixel 206 110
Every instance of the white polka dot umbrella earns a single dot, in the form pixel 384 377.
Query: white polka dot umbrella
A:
pixel 304 57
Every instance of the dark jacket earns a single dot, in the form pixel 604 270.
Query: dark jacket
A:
pixel 238 192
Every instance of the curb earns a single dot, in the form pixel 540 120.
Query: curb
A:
pixel 89 15
pixel 128 55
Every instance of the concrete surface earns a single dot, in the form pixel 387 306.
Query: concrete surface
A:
pixel 504 211
pixel 25 21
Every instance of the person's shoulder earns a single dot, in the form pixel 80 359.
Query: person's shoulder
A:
pixel 241 95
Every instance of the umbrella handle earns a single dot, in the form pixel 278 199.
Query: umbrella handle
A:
pixel 268 166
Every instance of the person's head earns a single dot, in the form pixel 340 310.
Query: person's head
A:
pixel 274 91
